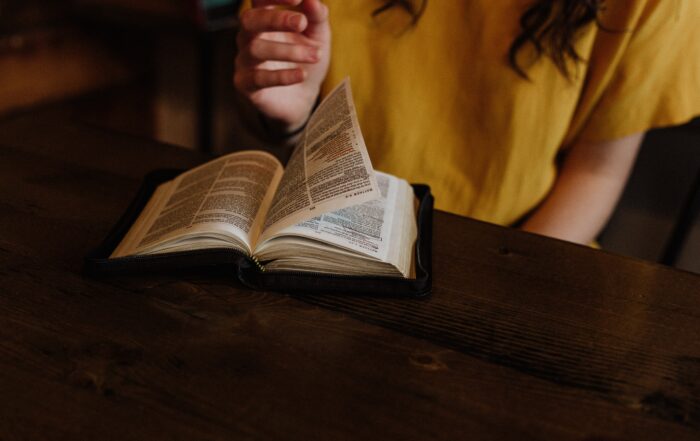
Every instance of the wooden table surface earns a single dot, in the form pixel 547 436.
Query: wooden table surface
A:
pixel 523 338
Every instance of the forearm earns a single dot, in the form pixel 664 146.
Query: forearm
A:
pixel 586 191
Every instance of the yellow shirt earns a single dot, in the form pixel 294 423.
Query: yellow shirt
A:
pixel 438 102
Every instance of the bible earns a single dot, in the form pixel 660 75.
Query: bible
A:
pixel 327 215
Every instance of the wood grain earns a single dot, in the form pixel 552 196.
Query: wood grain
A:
pixel 524 337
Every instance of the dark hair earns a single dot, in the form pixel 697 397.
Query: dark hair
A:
pixel 551 26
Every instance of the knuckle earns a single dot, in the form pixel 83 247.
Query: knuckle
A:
pixel 247 19
pixel 259 78
pixel 256 48
pixel 280 21
pixel 239 81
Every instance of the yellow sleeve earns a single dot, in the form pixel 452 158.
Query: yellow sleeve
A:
pixel 644 71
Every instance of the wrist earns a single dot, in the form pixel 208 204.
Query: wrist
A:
pixel 284 131
pixel 280 131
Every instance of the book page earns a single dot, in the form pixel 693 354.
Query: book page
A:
pixel 205 207
pixel 364 228
pixel 329 169
pixel 351 240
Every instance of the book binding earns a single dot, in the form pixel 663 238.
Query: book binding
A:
pixel 252 273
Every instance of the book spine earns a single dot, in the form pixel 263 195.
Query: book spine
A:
pixel 260 266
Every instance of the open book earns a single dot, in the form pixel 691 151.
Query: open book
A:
pixel 327 211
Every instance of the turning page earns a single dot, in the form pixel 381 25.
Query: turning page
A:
pixel 330 168
pixel 383 230
pixel 363 228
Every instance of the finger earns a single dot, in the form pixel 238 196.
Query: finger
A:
pixel 314 10
pixel 317 16
pixel 272 20
pixel 243 39
pixel 260 50
pixel 263 3
pixel 251 80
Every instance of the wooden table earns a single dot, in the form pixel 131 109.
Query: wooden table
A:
pixel 523 338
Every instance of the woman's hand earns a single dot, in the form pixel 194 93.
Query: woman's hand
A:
pixel 283 57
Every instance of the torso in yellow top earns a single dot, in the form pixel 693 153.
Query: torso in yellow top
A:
pixel 438 102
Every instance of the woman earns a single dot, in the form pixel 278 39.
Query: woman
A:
pixel 515 112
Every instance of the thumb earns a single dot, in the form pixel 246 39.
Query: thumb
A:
pixel 317 15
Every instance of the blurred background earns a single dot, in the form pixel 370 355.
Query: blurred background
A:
pixel 155 68
pixel 162 69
